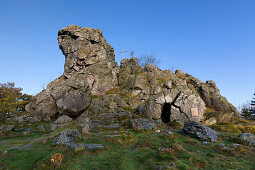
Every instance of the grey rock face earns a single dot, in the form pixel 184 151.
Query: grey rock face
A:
pixel 63 119
pixel 65 96
pixel 174 106
pixel 143 124
pixel 87 51
pixel 202 132
pixel 247 137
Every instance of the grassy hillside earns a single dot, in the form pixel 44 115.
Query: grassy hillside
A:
pixel 127 149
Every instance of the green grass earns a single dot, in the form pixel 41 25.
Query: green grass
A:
pixel 130 150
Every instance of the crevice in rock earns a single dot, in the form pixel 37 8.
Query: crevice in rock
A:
pixel 166 113
pixel 55 116
pixel 178 107
pixel 92 42
pixel 166 110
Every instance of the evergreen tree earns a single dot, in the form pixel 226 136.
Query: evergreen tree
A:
pixel 252 106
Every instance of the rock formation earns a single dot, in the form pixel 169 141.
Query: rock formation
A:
pixel 97 92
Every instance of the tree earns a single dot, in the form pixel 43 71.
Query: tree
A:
pixel 12 100
pixel 252 106
pixel 248 109
pixel 147 59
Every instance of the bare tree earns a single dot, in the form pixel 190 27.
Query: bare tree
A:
pixel 147 59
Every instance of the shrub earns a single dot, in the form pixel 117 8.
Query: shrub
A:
pixel 12 101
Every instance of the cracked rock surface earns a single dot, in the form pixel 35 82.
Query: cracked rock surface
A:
pixel 200 131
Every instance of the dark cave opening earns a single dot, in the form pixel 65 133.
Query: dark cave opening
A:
pixel 166 112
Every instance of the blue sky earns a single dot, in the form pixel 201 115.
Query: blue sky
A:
pixel 209 39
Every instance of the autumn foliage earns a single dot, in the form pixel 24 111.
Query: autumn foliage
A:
pixel 12 100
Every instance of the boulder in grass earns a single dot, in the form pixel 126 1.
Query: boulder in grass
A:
pixel 67 139
pixel 247 137
pixel 200 131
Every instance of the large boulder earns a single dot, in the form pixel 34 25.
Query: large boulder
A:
pixel 200 131
pixel 61 97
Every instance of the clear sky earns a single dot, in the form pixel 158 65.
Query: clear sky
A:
pixel 209 39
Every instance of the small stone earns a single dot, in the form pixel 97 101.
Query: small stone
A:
pixel 41 128
pixel 168 132
pixel 111 136
pixel 221 145
pixel 172 165
pixel 4 152
pixel 211 121
pixel 113 126
pixel 235 145
pixel 206 143
pixel 85 129
pixel 157 131
pixel 225 148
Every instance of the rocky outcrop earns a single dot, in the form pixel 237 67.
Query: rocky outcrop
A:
pixel 90 69
pixel 98 93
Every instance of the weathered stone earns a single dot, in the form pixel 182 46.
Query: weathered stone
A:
pixel 143 124
pixel 150 67
pixel 211 121
pixel 168 132
pixel 6 128
pixel 67 139
pixel 225 117
pixel 63 119
pixel 202 132
pixel 179 72
pixel 168 84
pixel 41 128
pixel 113 126
pixel 130 66
pixel 85 129
pixel 152 110
pixel 206 143
pixel 248 138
